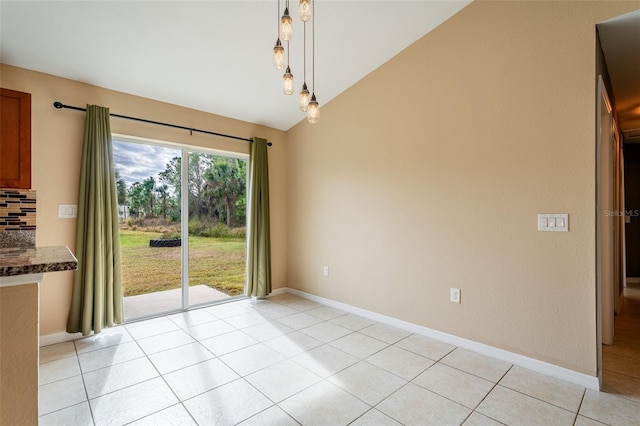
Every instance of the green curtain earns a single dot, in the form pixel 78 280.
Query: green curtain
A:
pixel 259 239
pixel 97 286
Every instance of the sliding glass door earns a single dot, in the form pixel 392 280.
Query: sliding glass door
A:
pixel 180 248
pixel 216 227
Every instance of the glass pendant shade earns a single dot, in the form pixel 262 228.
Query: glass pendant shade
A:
pixel 287 82
pixel 304 10
pixel 313 113
pixel 286 26
pixel 304 98
pixel 278 56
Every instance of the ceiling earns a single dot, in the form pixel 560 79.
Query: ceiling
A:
pixel 213 56
pixel 620 40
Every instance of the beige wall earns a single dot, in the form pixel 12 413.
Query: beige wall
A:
pixel 57 148
pixel 430 172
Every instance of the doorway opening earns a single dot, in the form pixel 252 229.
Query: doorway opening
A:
pixel 618 182
pixel 179 248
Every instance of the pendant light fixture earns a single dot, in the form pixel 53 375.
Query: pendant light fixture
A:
pixel 304 99
pixel 305 96
pixel 287 78
pixel 278 50
pixel 278 55
pixel 287 81
pixel 286 24
pixel 307 102
pixel 304 10
pixel 313 111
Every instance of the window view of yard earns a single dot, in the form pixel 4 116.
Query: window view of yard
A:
pixel 148 182
pixel 216 262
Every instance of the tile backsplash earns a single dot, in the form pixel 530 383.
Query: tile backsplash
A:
pixel 17 217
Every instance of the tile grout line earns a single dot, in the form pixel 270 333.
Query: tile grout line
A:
pixel 241 377
pixel 488 393
pixel 165 382
pixel 154 367
pixel 84 384
pixel 541 400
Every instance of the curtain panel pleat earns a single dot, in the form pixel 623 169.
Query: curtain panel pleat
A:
pixel 97 299
pixel 259 239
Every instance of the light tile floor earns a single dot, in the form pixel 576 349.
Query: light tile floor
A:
pixel 621 361
pixel 289 361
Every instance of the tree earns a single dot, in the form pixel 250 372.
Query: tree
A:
pixel 198 166
pixel 148 192
pixel 225 181
pixel 171 176
pixel 121 188
pixel 163 193
pixel 136 199
pixel 121 191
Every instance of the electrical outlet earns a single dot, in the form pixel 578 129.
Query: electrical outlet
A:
pixel 455 295
pixel 325 271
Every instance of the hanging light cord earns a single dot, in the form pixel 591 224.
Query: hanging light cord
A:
pixel 288 50
pixel 278 19
pixel 304 52
pixel 313 46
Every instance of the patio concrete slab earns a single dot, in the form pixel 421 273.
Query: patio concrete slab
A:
pixel 146 305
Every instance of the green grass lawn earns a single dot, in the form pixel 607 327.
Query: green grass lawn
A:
pixel 218 263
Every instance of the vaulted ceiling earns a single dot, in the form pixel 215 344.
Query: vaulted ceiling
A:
pixel 215 56
pixel 212 56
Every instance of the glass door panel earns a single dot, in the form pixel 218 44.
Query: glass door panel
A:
pixel 216 227
pixel 148 186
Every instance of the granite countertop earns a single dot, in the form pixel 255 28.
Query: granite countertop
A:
pixel 35 260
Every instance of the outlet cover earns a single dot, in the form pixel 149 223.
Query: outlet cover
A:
pixel 325 271
pixel 455 295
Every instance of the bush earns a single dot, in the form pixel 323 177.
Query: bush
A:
pixel 150 224
pixel 170 229
pixel 203 228
pixel 222 231
pixel 171 235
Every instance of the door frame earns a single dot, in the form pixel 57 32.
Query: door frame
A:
pixel 184 224
pixel 604 232
pixel 610 221
pixel 184 207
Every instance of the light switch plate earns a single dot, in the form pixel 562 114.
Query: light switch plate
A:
pixel 67 211
pixel 556 222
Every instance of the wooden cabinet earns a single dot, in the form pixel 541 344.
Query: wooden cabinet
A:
pixel 15 139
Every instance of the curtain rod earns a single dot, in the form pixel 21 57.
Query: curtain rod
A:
pixel 60 105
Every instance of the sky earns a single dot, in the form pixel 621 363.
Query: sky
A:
pixel 136 161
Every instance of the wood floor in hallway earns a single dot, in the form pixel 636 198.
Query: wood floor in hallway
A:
pixel 621 361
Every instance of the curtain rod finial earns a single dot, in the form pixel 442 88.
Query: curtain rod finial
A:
pixel 58 105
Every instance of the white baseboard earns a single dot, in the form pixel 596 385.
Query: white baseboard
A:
pixel 52 339
pixel 278 291
pixel 590 382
